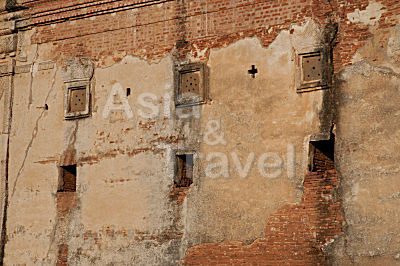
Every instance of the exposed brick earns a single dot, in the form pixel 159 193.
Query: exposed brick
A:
pixel 66 201
pixel 62 258
pixel 294 235
pixel 179 193
pixel 152 32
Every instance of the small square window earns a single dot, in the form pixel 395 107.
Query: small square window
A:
pixel 67 181
pixel 311 67
pixel 184 170
pixel 314 71
pixel 190 84
pixel 77 98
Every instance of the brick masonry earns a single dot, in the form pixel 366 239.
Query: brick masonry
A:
pixel 321 161
pixel 294 235
pixel 66 202
pixel 179 193
pixel 152 32
pixel 62 255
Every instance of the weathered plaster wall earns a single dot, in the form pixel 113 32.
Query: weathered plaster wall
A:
pixel 125 173
pixel 368 137
pixel 31 199
pixel 257 115
pixel 122 211
pixel 118 164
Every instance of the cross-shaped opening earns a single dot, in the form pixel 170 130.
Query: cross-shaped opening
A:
pixel 253 71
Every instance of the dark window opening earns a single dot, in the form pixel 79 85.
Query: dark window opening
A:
pixel 322 155
pixel 184 170
pixel 67 178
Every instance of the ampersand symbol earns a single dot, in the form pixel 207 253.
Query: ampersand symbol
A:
pixel 213 127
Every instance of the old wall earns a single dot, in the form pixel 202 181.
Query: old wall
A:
pixel 232 204
pixel 366 151
pixel 124 210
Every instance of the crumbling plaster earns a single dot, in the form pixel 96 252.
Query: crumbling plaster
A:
pixel 125 171
pixel 366 96
pixel 123 165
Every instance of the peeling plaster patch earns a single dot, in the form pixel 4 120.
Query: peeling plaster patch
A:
pixel 307 37
pixel 35 68
pixel 197 53
pixel 354 191
pixel 252 49
pixel 309 117
pixel 392 196
pixel 130 59
pixel 369 16
pixel 393 48
pixel 280 46
pixel 357 58
pixel 363 68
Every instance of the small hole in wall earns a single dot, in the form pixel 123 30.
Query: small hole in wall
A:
pixel 46 107
pixel 322 155
pixel 128 91
pixel 67 178
pixel 184 171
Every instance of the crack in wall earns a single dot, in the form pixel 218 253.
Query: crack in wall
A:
pixel 1 93
pixel 5 208
pixel 34 134
pixel 3 238
pixel 52 235
pixel 32 76
pixel 72 138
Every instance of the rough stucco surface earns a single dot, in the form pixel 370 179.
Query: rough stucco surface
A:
pixel 367 157
pixel 117 166
pixel 123 211
pixel 254 197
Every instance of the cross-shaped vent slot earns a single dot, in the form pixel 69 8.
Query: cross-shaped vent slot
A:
pixel 77 100
pixel 312 67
